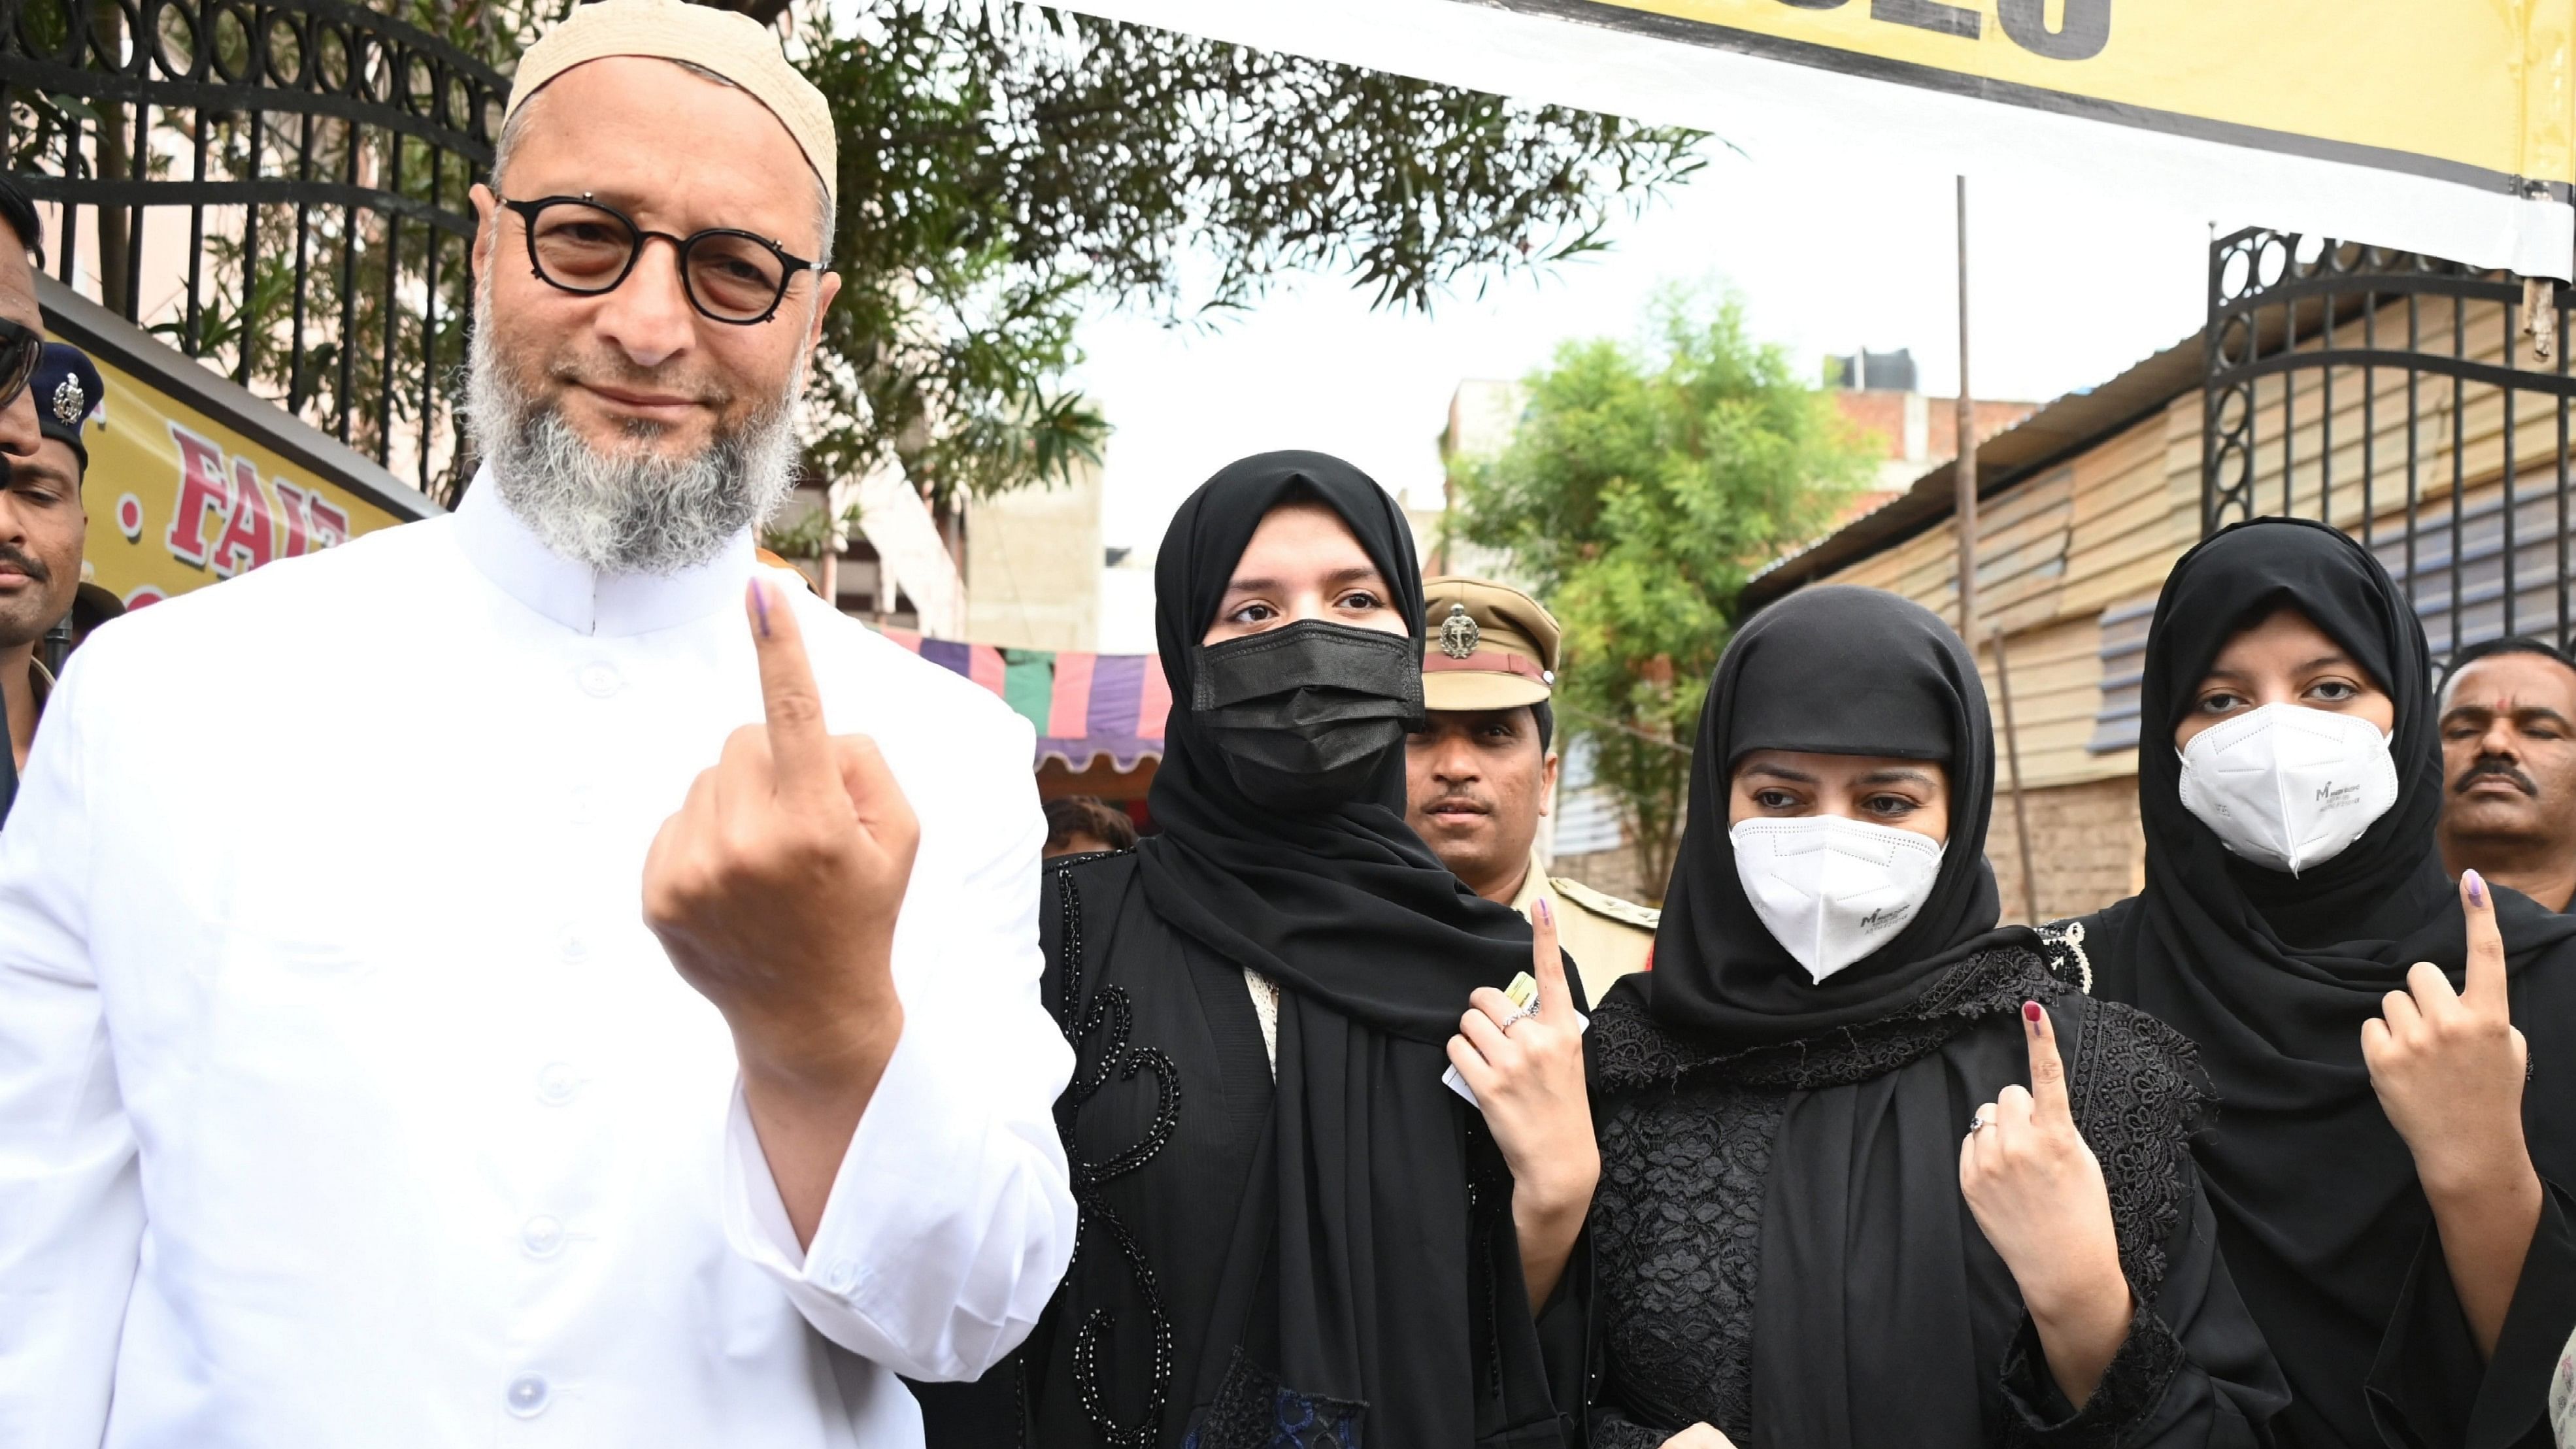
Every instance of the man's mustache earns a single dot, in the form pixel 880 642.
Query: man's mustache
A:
pixel 2502 769
pixel 1459 798
pixel 25 563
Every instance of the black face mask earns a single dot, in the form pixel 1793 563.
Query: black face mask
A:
pixel 1306 715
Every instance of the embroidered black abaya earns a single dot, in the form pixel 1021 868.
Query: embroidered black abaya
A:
pixel 2325 1228
pixel 1324 1261
pixel 1782 1246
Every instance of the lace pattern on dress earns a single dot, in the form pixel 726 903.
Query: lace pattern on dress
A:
pixel 1253 1411
pixel 1677 1225
pixel 1100 1035
pixel 2134 1088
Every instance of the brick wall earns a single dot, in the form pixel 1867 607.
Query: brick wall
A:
pixel 2085 847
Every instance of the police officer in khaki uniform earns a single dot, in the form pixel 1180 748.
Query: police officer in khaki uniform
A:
pixel 1482 770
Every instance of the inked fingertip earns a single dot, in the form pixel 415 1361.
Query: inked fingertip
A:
pixel 2030 1012
pixel 1546 916
pixel 760 606
pixel 2477 887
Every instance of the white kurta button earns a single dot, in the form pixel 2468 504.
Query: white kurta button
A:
pixel 575 949
pixel 843 1273
pixel 544 1236
pixel 584 805
pixel 557 1083
pixel 527 1396
pixel 599 680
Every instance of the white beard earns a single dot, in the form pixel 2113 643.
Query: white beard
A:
pixel 629 512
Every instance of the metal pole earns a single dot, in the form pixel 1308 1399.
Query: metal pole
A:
pixel 1965 473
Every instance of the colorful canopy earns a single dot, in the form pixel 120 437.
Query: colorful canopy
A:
pixel 1082 705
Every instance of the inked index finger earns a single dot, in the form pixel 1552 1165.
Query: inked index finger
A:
pixel 800 750
pixel 2047 1073
pixel 2484 988
pixel 1547 963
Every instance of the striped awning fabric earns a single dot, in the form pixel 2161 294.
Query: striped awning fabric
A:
pixel 1083 706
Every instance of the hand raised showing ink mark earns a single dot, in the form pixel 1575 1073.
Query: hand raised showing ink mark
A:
pixel 1526 1068
pixel 775 887
pixel 2037 1192
pixel 2448 1065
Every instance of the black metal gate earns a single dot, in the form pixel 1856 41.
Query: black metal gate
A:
pixel 275 186
pixel 2417 404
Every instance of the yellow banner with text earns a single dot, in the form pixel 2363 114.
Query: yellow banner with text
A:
pixel 178 500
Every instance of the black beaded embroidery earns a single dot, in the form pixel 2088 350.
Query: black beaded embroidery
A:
pixel 1105 1027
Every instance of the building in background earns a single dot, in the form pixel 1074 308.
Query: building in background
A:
pixel 1876 393
pixel 1033 565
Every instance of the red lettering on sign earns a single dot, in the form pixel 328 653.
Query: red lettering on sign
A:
pixel 330 525
pixel 202 489
pixel 249 538
pixel 290 511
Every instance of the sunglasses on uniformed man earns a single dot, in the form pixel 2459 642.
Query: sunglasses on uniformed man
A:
pixel 21 348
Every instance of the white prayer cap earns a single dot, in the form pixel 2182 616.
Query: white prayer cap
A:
pixel 734 46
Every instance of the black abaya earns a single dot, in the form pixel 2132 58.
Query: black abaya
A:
pixel 1328 1260
pixel 2271 977
pixel 1782 1246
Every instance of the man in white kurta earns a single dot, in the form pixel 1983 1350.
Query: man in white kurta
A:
pixel 347 1096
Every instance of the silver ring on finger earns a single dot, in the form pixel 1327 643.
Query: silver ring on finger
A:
pixel 1980 1124
pixel 1517 1017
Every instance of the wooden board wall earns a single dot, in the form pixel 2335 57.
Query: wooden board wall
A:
pixel 2099 532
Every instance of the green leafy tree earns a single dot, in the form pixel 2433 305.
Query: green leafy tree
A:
pixel 1646 483
pixel 1005 170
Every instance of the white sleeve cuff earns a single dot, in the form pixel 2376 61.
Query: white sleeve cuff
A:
pixel 922 1253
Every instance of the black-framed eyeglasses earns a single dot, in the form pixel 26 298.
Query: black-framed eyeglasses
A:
pixel 21 348
pixel 582 245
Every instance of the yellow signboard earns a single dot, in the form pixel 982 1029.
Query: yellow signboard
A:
pixel 2435 86
pixel 178 500
pixel 193 479
pixel 2440 126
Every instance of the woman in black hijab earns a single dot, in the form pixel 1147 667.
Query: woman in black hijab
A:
pixel 2275 947
pixel 1293 1233
pixel 1795 1247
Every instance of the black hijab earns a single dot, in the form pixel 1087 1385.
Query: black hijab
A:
pixel 1844 671
pixel 2272 976
pixel 1350 1270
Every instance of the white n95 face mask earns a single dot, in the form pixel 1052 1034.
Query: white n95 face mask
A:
pixel 1833 890
pixel 2286 786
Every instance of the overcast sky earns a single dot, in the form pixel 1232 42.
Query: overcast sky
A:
pixel 2068 291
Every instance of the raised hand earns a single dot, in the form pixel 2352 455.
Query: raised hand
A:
pixel 2449 1067
pixel 2037 1192
pixel 1527 1071
pixel 774 891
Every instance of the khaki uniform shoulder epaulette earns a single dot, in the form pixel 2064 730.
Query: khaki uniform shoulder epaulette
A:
pixel 1644 918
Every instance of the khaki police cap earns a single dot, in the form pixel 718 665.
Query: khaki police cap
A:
pixel 1485 645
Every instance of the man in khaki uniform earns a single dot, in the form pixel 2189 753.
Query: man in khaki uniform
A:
pixel 1482 770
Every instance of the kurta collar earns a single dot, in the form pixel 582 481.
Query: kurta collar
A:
pixel 579 597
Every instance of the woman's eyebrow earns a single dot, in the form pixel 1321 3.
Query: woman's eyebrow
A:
pixel 1780 772
pixel 1897 776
